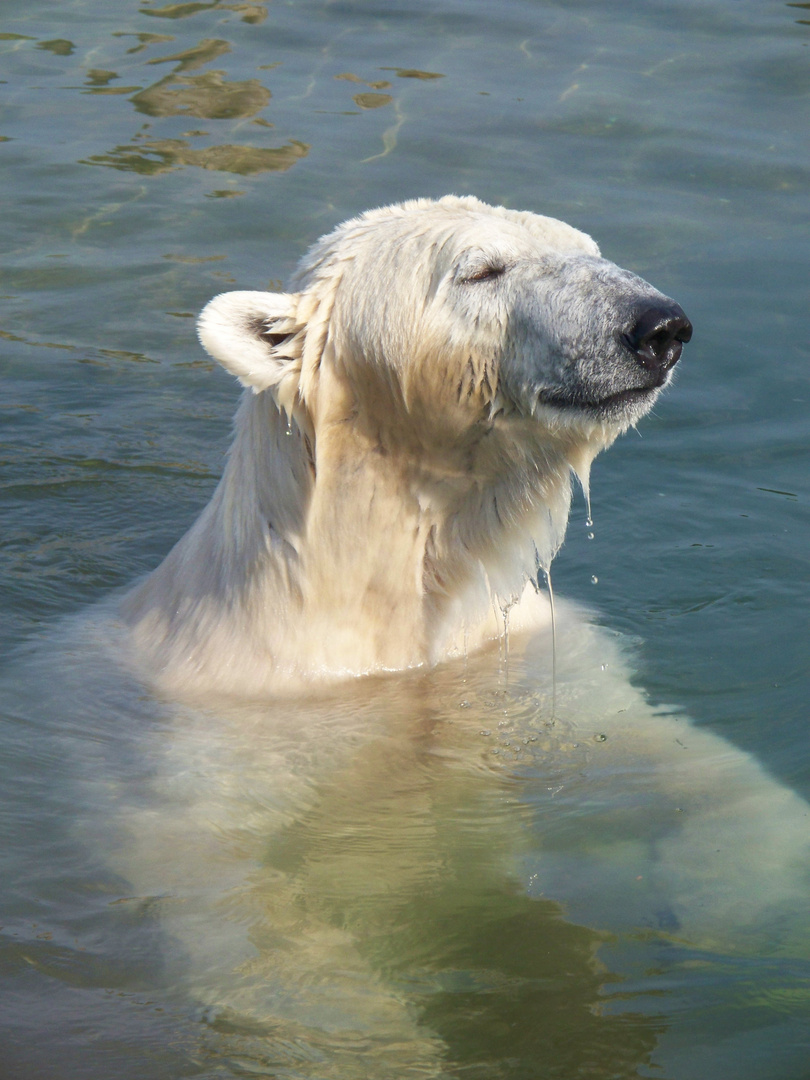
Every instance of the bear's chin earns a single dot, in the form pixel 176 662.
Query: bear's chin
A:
pixel 626 405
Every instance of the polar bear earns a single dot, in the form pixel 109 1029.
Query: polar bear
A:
pixel 432 873
pixel 401 467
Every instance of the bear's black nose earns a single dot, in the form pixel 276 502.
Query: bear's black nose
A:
pixel 657 337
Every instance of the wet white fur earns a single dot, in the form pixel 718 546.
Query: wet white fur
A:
pixel 383 501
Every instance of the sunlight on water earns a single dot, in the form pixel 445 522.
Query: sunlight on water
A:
pixel 521 864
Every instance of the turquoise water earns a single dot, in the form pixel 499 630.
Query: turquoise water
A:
pixel 155 155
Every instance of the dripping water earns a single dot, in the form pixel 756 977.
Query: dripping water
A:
pixel 547 572
pixel 544 567
pixel 588 515
pixel 582 471
pixel 584 480
pixel 505 609
pixel 583 474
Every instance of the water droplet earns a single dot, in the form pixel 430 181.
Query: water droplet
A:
pixel 605 667
pixel 485 733
pixel 594 579
pixel 600 738
pixel 464 705
pixel 590 536
pixel 589 522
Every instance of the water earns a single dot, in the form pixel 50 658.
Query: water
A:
pixel 402 899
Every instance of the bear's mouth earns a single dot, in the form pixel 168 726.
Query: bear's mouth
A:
pixel 604 408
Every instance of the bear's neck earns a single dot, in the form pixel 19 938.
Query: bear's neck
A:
pixel 343 557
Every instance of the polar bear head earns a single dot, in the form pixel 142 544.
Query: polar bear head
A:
pixel 458 313
pixel 402 458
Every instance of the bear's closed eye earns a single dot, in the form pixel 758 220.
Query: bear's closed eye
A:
pixel 486 273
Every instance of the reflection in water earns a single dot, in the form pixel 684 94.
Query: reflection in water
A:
pixel 100 76
pixel 165 155
pixel 413 73
pixel 372 101
pixel 208 50
pixel 249 13
pixel 144 40
pixel 59 46
pixel 368 100
pixel 98 80
pixel 209 95
pixel 348 76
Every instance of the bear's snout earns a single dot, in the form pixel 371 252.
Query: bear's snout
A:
pixel 657 337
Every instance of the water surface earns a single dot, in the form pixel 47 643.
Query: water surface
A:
pixel 156 154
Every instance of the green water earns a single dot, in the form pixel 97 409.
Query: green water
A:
pixel 413 904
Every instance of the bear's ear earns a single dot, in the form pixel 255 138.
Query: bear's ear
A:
pixel 255 336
